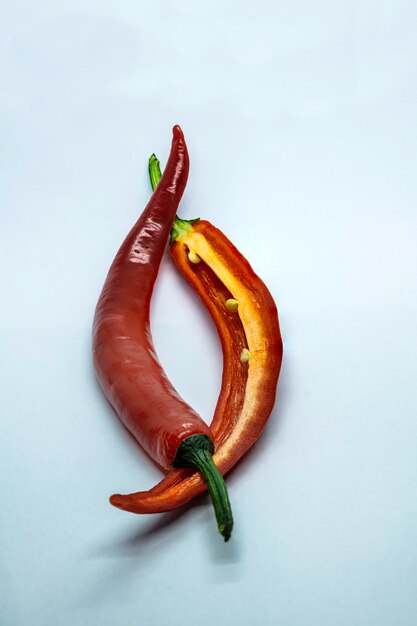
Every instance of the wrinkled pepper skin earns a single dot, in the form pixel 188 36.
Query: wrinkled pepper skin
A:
pixel 125 361
pixel 248 390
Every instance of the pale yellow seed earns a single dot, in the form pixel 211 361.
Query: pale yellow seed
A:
pixel 245 355
pixel 193 257
pixel 232 305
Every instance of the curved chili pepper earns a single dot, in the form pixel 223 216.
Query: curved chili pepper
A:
pixel 246 318
pixel 127 367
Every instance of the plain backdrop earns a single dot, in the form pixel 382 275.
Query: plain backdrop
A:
pixel 300 119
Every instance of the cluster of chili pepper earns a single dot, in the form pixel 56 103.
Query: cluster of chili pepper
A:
pixel 194 455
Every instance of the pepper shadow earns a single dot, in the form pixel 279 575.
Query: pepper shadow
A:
pixel 148 536
pixel 131 556
pixel 126 558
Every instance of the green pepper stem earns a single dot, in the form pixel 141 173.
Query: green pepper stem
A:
pixel 179 227
pixel 196 451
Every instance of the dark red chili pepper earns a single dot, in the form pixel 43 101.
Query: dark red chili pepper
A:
pixel 127 367
pixel 246 318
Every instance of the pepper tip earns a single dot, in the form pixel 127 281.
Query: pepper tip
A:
pixel 177 132
pixel 117 500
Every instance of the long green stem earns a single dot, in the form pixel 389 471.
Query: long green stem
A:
pixel 196 451
pixel 179 227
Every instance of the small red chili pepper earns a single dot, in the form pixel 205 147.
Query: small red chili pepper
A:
pixel 246 318
pixel 127 367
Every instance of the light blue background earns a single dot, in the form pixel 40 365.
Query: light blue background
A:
pixel 301 124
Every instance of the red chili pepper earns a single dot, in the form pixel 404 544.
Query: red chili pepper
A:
pixel 246 318
pixel 127 367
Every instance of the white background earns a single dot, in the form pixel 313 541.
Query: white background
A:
pixel 300 119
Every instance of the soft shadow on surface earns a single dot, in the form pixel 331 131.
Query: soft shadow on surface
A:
pixel 151 533
pixel 129 555
pixel 222 553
